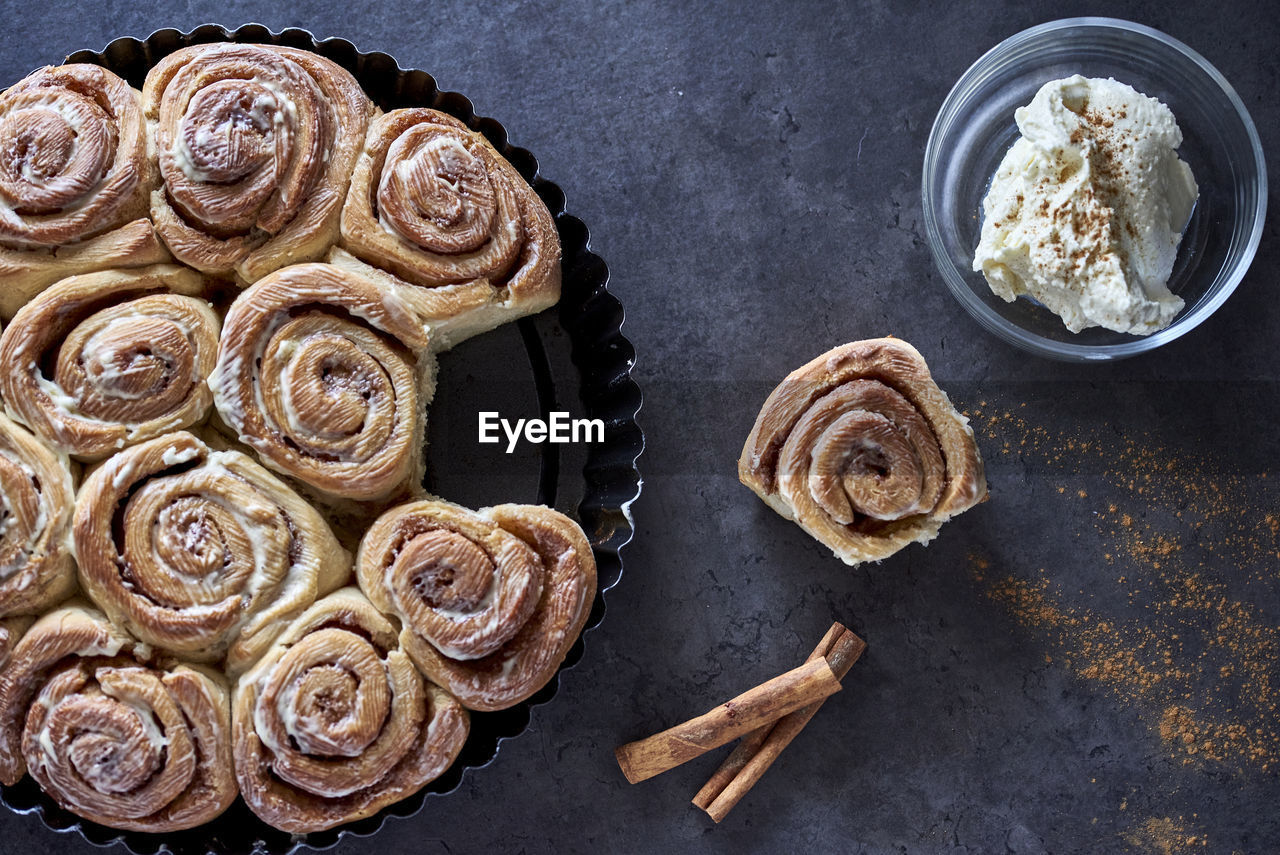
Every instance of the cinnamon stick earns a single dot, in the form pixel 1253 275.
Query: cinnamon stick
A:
pixel 759 753
pixel 749 711
pixel 750 744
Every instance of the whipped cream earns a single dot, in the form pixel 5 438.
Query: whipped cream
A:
pixel 1087 208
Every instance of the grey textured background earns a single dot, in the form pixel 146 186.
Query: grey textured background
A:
pixel 751 174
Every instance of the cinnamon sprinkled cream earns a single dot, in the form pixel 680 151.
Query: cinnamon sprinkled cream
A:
pixel 1087 208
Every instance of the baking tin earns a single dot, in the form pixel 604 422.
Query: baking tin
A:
pixel 587 323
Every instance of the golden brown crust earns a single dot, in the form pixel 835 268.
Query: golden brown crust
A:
pixel 25 273
pixel 327 375
pixel 254 145
pixel 127 352
pixel 434 204
pixel 863 450
pixel 111 736
pixel 491 601
pixel 74 179
pixel 11 630
pixel 36 568
pixel 335 723
pixel 201 553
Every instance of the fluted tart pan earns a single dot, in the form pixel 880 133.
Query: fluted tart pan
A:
pixel 575 351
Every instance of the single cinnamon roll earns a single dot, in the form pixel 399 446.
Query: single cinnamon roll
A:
pixel 108 359
pixel 74 180
pixel 255 146
pixel 113 736
pixel 326 374
pixel 36 503
pixel 491 601
pixel 434 204
pixel 863 450
pixel 201 553
pixel 335 723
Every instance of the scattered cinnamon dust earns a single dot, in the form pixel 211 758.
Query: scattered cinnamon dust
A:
pixel 1198 660
pixel 1165 836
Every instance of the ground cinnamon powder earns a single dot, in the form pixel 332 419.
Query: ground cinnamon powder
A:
pixel 1166 836
pixel 1189 542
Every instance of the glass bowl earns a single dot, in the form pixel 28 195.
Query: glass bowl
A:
pixel 975 128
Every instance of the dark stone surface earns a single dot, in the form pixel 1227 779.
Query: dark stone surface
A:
pixel 751 174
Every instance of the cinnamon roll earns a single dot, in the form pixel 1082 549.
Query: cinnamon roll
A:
pixel 863 450
pixel 36 503
pixel 110 734
pixel 326 374
pixel 74 180
pixel 108 359
pixel 255 146
pixel 335 723
pixel 201 553
pixel 490 601
pixel 435 205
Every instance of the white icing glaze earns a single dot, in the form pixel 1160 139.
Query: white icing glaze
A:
pixel 173 456
pixel 123 472
pixel 57 396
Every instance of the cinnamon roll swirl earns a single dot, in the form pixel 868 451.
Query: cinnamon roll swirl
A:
pixel 335 723
pixel 255 146
pixel 491 601
pixel 74 180
pixel 36 503
pixel 108 359
pixel 327 375
pixel 111 735
pixel 434 204
pixel 201 553
pixel 863 450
